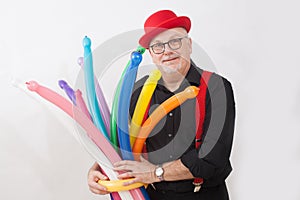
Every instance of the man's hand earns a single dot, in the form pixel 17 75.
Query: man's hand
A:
pixel 142 171
pixel 94 176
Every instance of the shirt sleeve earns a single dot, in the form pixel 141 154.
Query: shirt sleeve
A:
pixel 213 156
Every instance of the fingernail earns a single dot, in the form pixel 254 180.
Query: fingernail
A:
pixel 102 188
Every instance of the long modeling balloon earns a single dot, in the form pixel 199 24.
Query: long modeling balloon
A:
pixel 103 107
pixel 104 110
pixel 142 104
pixel 114 109
pixel 117 185
pixel 167 106
pixel 81 104
pixel 90 87
pixel 84 122
pixel 124 104
pixel 68 90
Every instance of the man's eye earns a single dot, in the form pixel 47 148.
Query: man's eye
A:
pixel 159 45
pixel 174 41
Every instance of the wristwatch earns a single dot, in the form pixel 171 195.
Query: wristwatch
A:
pixel 159 172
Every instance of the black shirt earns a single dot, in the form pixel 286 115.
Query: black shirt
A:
pixel 173 137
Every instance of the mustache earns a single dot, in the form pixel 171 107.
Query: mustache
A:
pixel 170 58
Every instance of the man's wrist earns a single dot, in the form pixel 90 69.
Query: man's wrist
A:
pixel 159 173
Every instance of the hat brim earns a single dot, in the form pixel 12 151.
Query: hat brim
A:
pixel 182 21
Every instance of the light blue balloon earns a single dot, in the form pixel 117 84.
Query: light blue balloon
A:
pixel 90 87
pixel 124 104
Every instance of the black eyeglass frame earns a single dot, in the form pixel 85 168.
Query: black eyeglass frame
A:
pixel 164 44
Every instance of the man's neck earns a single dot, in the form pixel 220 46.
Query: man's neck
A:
pixel 173 85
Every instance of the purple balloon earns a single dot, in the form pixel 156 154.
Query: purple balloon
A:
pixel 69 91
pixel 104 110
pixel 80 61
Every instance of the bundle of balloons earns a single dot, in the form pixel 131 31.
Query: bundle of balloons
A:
pixel 110 130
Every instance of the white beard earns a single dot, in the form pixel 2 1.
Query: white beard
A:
pixel 169 70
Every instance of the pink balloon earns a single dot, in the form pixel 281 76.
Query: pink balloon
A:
pixel 81 104
pixel 93 132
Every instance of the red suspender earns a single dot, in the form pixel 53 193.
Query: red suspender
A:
pixel 200 116
pixel 200 106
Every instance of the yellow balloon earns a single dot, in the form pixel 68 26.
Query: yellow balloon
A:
pixel 142 104
pixel 117 185
pixel 167 106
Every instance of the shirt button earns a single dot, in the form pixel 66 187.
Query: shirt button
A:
pixel 170 114
pixel 171 156
pixel 170 135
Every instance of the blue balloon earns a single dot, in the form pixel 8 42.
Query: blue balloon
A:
pixel 90 87
pixel 124 104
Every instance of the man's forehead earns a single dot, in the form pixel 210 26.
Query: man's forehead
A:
pixel 169 34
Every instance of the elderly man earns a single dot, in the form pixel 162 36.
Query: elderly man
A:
pixel 176 167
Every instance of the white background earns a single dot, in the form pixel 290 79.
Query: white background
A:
pixel 253 43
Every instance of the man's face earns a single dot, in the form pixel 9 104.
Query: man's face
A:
pixel 172 61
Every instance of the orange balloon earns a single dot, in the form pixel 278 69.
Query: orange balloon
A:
pixel 163 109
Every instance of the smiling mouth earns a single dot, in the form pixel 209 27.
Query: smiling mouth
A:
pixel 170 59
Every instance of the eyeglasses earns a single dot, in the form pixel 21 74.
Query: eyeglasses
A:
pixel 173 44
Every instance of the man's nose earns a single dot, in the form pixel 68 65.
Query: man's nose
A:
pixel 168 49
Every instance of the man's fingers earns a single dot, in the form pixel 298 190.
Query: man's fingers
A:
pixel 130 182
pixel 95 191
pixel 95 187
pixel 125 175
pixel 123 168
pixel 96 175
pixel 93 178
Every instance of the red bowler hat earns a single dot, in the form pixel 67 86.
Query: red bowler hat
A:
pixel 161 21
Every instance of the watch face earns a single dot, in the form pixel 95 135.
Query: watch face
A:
pixel 159 171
